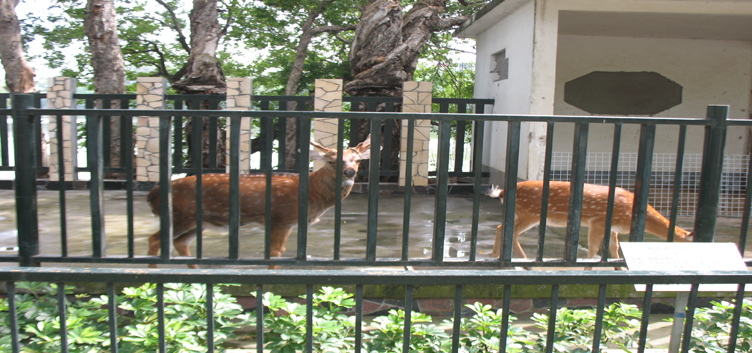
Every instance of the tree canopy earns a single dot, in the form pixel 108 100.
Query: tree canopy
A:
pixel 261 38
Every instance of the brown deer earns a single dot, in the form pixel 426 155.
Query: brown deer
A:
pixel 527 213
pixel 284 208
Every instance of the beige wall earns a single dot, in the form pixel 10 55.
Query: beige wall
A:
pixel 710 72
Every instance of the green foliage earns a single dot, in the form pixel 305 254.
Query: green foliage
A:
pixel 389 334
pixel 331 328
pixel 713 328
pixel 575 329
pixel 88 323
pixel 482 331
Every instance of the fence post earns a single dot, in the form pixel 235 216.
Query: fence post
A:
pixel 416 98
pixel 239 93
pixel 60 96
pixel 711 174
pixel 25 183
pixel 150 95
pixel 327 98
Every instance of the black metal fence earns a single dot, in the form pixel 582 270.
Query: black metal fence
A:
pixel 25 117
pixel 506 281
pixel 215 164
pixel 716 124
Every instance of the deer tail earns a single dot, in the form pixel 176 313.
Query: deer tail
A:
pixel 495 192
pixel 153 199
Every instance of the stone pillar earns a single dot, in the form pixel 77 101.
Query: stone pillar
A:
pixel 416 98
pixel 60 96
pixel 239 92
pixel 327 98
pixel 150 95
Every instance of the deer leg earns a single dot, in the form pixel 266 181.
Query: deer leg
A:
pixel 278 241
pixel 595 238
pixel 497 243
pixel 516 246
pixel 181 243
pixel 179 228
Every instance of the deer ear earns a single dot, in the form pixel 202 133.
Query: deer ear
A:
pixel 364 148
pixel 315 155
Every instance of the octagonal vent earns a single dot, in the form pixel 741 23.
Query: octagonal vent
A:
pixel 623 93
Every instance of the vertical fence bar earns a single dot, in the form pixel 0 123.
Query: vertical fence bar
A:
pixel 338 191
pixel 10 288
pixel 678 170
pixel 309 315
pixel 647 300
pixel 165 187
pixel 712 172
pixel 96 184
pixel 126 150
pixel 61 188
pixel 234 243
pixel 510 188
pixel 457 318
pixel 358 315
pixel 161 318
pixel 4 140
pixel 373 189
pixel 442 182
pixel 212 134
pixel 260 319
pixel 735 321
pixel 552 318
pixel 210 317
pixel 25 183
pixel 112 315
pixel 478 131
pixel 577 186
pixel 689 320
pixel 599 318
pixel 267 131
pixel 304 140
pixel 408 188
pixel 747 209
pixel 506 305
pixel 62 317
pixel 408 319
pixel 197 164
pixel 642 182
pixel 178 135
pixel 612 178
pixel 546 187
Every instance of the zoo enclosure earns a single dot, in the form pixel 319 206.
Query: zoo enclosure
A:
pixel 25 117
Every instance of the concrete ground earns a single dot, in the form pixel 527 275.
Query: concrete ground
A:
pixel 459 218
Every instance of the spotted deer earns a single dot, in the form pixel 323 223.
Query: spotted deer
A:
pixel 527 214
pixel 284 207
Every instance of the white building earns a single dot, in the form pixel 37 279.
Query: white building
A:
pixel 544 56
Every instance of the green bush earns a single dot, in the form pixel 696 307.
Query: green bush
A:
pixel 713 328
pixel 285 324
pixel 88 323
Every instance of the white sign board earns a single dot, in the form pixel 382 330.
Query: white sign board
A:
pixel 684 257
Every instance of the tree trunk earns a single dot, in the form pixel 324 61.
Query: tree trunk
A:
pixel 204 73
pixel 100 26
pixel 19 77
pixel 386 49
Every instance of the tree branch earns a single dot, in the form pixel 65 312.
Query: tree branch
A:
pixel 332 29
pixel 176 26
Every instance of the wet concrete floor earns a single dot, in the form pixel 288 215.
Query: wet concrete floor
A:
pixel 321 235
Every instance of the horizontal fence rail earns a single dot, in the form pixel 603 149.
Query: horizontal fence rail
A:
pixel 507 281
pixel 439 245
